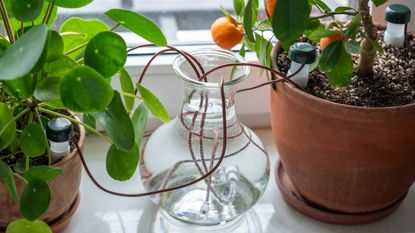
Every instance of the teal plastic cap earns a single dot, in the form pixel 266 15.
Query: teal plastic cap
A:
pixel 303 53
pixel 59 130
pixel 398 14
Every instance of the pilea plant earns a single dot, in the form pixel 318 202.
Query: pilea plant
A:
pixel 45 74
pixel 291 20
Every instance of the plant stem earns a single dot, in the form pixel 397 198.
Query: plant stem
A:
pixel 76 48
pixel 20 177
pixel 6 21
pixel 331 14
pixel 76 122
pixel 368 53
pixel 27 159
pixel 41 124
pixel 115 27
pixel 129 95
pixel 49 11
pixel 14 119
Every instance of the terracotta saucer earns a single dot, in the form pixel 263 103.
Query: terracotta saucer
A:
pixel 59 224
pixel 294 198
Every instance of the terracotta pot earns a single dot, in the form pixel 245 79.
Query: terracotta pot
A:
pixel 64 191
pixel 343 158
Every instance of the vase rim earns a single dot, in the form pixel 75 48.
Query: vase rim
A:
pixel 178 61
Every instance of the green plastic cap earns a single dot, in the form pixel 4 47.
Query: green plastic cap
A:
pixel 398 13
pixel 59 130
pixel 303 53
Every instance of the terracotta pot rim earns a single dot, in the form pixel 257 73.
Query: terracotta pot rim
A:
pixel 274 55
pixel 81 142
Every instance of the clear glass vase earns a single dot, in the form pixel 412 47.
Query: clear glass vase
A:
pixel 191 144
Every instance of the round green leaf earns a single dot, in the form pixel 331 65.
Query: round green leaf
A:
pixel 4 44
pixel 7 126
pixel 60 67
pixel 17 24
pixel 44 173
pixel 20 58
pixel 139 120
pixel 138 24
pixel 33 140
pixel 55 46
pixel 106 53
pixel 85 90
pixel 35 199
pixel 79 31
pixel 49 91
pixel 25 226
pixel 153 104
pixel 121 165
pixel 21 88
pixel 26 10
pixel 71 3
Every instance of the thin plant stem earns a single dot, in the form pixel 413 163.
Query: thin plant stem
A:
pixel 331 14
pixel 20 177
pixel 115 27
pixel 129 95
pixel 49 12
pixel 41 124
pixel 77 122
pixel 6 21
pixel 76 48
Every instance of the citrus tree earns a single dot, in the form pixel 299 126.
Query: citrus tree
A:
pixel 291 21
pixel 45 73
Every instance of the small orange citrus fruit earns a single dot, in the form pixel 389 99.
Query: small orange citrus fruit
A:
pixel 326 41
pixel 270 7
pixel 227 32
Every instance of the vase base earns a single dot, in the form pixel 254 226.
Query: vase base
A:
pixel 63 221
pixel 247 223
pixel 294 199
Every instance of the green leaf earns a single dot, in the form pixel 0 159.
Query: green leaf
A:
pixel 106 53
pixel 242 51
pixel 226 12
pixel 138 24
pixel 352 47
pixel 379 2
pixel 263 50
pixel 248 21
pixel 17 24
pixel 340 71
pixel 238 6
pixel 84 30
pixel 20 58
pixel 55 46
pixel 121 165
pixel 71 3
pixel 84 90
pixel 353 27
pixel 35 199
pixel 44 173
pixel 4 44
pixel 290 20
pixel 127 86
pixel 153 104
pixel 21 88
pixel 117 123
pixel 331 55
pixel 26 10
pixel 7 126
pixel 60 67
pixel 320 4
pixel 7 176
pixel 25 226
pixel 319 33
pixel 89 120
pixel 139 120
pixel 33 140
pixel 49 92
pixel 342 9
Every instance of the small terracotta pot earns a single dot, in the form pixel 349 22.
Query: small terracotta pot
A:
pixel 344 158
pixel 64 191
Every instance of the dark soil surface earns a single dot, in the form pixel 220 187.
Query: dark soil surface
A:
pixel 393 83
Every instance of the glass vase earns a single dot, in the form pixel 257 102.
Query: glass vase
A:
pixel 190 146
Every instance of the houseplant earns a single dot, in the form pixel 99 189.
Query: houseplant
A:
pixel 46 74
pixel 343 161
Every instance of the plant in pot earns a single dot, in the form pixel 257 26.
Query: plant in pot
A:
pixel 45 76
pixel 344 129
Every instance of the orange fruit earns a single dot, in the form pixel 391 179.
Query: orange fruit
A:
pixel 270 7
pixel 326 41
pixel 227 32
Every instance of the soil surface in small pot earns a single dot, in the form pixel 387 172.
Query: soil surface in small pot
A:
pixel 393 83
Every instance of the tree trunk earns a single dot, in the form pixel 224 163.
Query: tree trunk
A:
pixel 368 53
